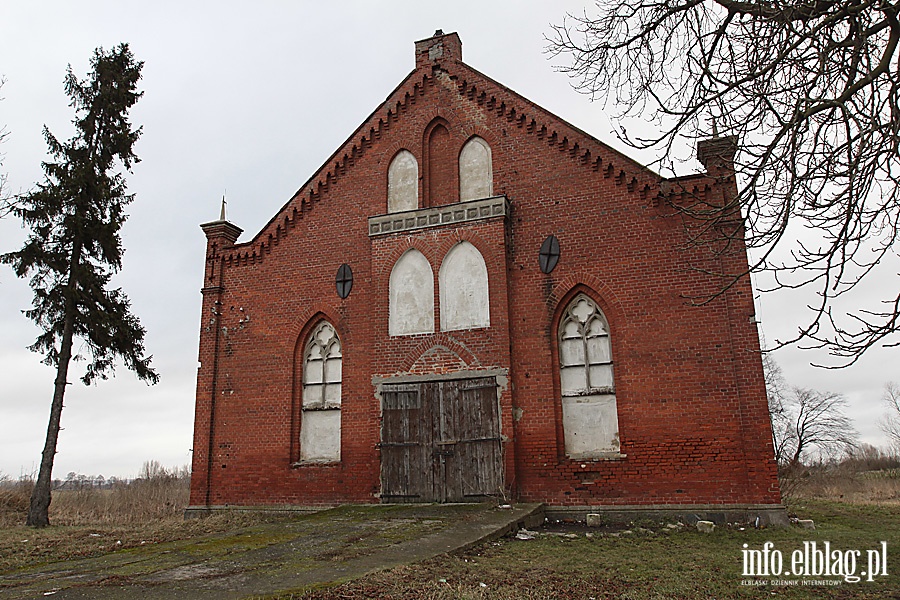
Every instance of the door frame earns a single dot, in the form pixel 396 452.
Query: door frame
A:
pixel 501 379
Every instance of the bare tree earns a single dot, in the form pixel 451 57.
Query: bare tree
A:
pixel 783 439
pixel 818 424
pixel 805 421
pixel 811 90
pixel 890 424
pixel 866 457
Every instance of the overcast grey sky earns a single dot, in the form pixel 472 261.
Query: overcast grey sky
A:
pixel 252 98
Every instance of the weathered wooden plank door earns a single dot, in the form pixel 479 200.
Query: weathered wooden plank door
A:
pixel 441 441
pixel 469 443
pixel 405 445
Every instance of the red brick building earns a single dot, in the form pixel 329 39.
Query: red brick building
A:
pixel 473 298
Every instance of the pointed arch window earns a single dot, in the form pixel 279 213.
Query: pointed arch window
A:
pixel 590 417
pixel 463 281
pixel 476 175
pixel 411 295
pixel 403 182
pixel 320 421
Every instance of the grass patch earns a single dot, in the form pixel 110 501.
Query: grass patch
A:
pixel 90 521
pixel 22 546
pixel 868 476
pixel 647 563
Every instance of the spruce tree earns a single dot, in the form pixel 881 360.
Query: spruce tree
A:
pixel 74 247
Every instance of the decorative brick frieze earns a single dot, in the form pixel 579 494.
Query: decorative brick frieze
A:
pixel 438 216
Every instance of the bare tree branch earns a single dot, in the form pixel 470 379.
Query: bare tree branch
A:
pixel 783 439
pixel 811 89
pixel 819 424
pixel 805 422
pixel 890 424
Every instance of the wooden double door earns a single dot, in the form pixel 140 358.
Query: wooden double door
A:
pixel 440 441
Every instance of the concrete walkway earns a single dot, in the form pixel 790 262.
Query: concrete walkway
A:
pixel 329 546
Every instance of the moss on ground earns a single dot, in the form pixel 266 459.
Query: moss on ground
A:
pixel 280 548
pixel 641 561
pixel 650 562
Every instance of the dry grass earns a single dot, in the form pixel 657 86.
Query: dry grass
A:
pixel 93 521
pixel 14 498
pixel 866 487
pixel 22 546
pixel 649 563
pixel 125 504
pixel 852 509
pixel 159 494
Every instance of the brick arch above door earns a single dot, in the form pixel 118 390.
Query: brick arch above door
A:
pixel 439 340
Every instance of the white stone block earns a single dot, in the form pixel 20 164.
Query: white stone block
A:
pixel 706 526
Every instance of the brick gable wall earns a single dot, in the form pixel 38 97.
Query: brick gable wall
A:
pixel 693 419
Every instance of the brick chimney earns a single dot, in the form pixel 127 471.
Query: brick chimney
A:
pixel 717 155
pixel 438 48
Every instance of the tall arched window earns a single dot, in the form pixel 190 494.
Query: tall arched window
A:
pixel 403 183
pixel 476 175
pixel 411 295
pixel 320 421
pixel 590 418
pixel 464 289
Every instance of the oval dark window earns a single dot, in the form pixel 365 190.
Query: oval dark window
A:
pixel 549 255
pixel 344 280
